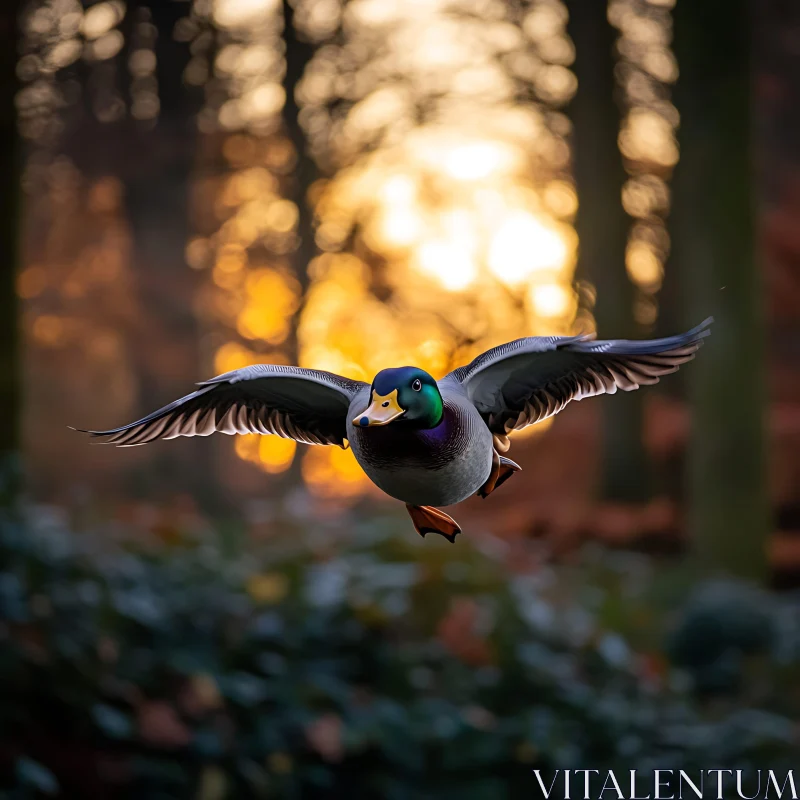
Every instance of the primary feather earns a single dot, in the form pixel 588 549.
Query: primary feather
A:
pixel 528 380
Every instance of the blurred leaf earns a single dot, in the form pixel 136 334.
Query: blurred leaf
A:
pixel 207 743
pixel 325 735
pixel 160 726
pixel 245 689
pixel 112 721
pixel 268 588
pixel 31 773
pixel 213 784
pixel 478 675
pixel 201 694
pixel 268 625
pixel 279 763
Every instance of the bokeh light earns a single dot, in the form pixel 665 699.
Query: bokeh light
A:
pixel 445 224
pixel 647 140
pixel 445 207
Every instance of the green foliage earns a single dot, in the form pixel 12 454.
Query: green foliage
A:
pixel 376 666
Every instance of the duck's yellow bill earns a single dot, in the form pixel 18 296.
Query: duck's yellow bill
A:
pixel 381 411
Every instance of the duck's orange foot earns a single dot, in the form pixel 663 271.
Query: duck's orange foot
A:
pixel 502 469
pixel 428 519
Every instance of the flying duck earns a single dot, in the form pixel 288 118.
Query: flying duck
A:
pixel 425 442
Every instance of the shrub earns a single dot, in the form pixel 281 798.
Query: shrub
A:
pixel 372 665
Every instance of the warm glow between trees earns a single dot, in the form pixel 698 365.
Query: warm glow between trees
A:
pixel 445 217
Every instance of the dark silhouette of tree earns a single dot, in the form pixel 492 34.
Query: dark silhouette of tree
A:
pixel 298 53
pixel 714 251
pixel 10 403
pixel 157 196
pixel 602 228
pixel 154 159
pixel 157 193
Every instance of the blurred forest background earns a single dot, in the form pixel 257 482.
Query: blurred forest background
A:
pixel 191 186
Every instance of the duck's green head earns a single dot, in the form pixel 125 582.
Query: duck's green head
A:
pixel 402 393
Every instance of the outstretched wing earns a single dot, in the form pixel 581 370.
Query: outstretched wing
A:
pixel 306 405
pixel 528 380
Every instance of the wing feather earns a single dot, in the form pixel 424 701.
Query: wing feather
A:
pixel 528 380
pixel 309 406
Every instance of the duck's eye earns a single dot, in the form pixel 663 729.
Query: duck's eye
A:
pixel 417 385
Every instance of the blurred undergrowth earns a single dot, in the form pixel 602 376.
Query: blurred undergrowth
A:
pixel 351 657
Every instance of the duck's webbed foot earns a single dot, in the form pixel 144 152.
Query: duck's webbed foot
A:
pixel 428 519
pixel 502 469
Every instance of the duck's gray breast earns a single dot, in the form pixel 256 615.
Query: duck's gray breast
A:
pixel 435 467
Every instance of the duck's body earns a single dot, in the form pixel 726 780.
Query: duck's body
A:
pixel 424 442
pixel 437 466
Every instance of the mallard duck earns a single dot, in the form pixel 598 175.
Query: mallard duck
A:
pixel 425 442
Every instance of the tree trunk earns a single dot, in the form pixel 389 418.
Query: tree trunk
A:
pixel 158 195
pixel 602 228
pixel 298 54
pixel 10 370
pixel 157 190
pixel 728 513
